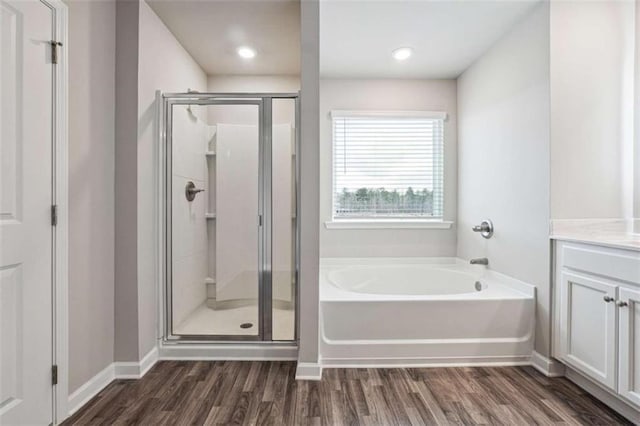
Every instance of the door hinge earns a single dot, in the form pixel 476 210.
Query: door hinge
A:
pixel 54 215
pixel 54 374
pixel 54 51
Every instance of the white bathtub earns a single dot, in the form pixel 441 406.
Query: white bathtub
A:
pixel 433 311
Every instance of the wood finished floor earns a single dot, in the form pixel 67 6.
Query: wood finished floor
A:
pixel 225 392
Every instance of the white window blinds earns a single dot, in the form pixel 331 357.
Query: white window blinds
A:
pixel 388 165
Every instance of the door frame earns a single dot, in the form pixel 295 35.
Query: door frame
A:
pixel 164 102
pixel 169 102
pixel 60 187
pixel 59 198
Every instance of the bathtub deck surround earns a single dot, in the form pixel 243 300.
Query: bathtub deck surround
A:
pixel 437 312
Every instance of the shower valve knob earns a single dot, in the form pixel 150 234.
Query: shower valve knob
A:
pixel 190 191
pixel 485 228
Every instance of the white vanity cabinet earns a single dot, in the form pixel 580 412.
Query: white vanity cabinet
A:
pixel 629 344
pixel 597 315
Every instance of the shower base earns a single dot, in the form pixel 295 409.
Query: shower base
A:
pixel 206 321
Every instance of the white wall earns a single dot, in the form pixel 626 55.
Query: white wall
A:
pixel 253 83
pixel 283 110
pixel 308 318
pixel 91 188
pixel 163 65
pixel 503 159
pixel 363 94
pixel 126 182
pixel 591 109
pixel 636 126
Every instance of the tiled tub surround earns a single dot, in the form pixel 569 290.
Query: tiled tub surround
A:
pixel 615 233
pixel 422 311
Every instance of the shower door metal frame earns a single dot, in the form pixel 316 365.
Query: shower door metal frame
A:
pixel 264 101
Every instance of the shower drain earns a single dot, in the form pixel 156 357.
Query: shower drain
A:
pixel 246 325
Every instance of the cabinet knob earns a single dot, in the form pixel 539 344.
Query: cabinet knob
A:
pixel 608 299
pixel 621 303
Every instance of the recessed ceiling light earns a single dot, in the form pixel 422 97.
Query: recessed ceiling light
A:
pixel 246 52
pixel 402 53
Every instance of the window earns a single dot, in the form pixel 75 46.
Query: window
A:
pixel 388 165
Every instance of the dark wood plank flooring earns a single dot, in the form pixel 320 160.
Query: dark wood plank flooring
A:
pixel 225 392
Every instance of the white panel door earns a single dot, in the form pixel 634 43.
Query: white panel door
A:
pixel 26 95
pixel 588 326
pixel 629 374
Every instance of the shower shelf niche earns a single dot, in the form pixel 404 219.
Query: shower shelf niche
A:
pixel 210 284
pixel 211 160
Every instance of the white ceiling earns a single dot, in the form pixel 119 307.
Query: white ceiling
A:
pixel 212 30
pixel 357 37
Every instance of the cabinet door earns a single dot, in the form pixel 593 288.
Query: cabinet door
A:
pixel 588 326
pixel 629 368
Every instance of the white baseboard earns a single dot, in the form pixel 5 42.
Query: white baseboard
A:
pixel 547 366
pixel 308 371
pixel 115 370
pixel 228 352
pixel 135 370
pixel 84 393
pixel 149 361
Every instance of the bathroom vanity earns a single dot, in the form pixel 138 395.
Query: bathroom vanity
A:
pixel 596 308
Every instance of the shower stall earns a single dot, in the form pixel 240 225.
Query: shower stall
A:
pixel 230 203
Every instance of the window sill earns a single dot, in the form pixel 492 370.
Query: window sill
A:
pixel 388 224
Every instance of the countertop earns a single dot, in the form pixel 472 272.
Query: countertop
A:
pixel 620 234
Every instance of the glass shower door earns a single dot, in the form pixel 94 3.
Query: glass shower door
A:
pixel 283 218
pixel 216 210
